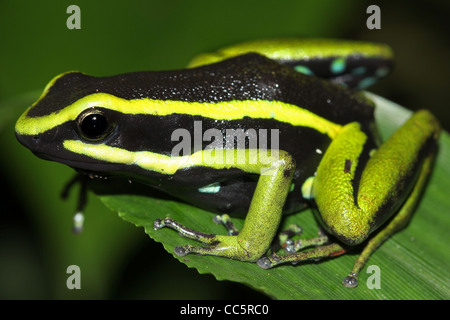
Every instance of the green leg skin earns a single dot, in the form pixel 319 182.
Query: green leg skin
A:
pixel 261 222
pixel 397 223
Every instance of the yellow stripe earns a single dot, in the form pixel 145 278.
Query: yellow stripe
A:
pixel 297 50
pixel 227 110
pixel 144 159
pixel 250 160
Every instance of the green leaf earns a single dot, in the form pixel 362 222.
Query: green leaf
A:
pixel 413 263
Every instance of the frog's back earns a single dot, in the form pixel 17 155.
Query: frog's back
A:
pixel 246 77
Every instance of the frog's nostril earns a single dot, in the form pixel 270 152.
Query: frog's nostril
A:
pixel 36 139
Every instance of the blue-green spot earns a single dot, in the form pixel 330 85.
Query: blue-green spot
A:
pixel 338 65
pixel 304 70
pixel 366 82
pixel 210 188
pixel 359 71
pixel 381 72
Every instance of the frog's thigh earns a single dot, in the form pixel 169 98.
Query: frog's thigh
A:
pixel 386 180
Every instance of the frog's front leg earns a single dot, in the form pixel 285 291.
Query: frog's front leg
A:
pixel 351 210
pixel 264 215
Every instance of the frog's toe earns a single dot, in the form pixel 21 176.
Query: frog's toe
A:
pixel 228 224
pixel 158 224
pixel 180 251
pixel 289 246
pixel 264 263
pixel 283 239
pixel 292 246
pixel 350 281
pixel 269 261
pixel 183 230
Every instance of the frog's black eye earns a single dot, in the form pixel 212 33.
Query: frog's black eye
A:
pixel 93 124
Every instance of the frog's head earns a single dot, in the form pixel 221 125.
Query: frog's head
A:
pixel 82 122
pixel 52 119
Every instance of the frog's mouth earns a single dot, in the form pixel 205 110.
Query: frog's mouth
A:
pixel 82 164
pixel 48 149
pixel 74 163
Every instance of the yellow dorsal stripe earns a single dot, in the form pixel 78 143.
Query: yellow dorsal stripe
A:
pixel 297 49
pixel 226 110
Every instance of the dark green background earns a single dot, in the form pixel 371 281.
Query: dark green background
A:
pixel 116 259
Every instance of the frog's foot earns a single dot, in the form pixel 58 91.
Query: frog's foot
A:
pixel 229 246
pixel 285 240
pixel 182 230
pixel 318 253
pixel 292 246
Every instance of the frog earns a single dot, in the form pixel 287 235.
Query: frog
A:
pixel 262 128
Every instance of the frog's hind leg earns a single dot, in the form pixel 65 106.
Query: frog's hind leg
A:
pixel 397 223
pixel 384 182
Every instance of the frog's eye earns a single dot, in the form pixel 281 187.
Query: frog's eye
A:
pixel 93 124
